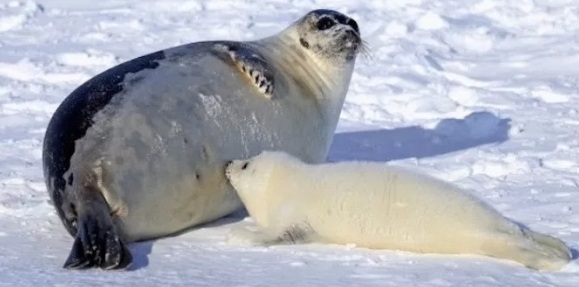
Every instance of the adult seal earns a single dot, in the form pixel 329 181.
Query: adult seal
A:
pixel 138 152
pixel 374 205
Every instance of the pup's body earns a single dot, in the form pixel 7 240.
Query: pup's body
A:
pixel 383 207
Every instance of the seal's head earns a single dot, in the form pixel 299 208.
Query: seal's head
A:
pixel 330 35
pixel 317 54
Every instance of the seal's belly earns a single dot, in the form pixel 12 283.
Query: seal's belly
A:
pixel 170 135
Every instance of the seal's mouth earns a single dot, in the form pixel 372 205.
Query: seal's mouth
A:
pixel 354 44
pixel 351 44
pixel 352 39
pixel 230 166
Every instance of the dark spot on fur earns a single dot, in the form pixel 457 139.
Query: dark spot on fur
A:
pixel 262 83
pixel 138 144
pixel 73 208
pixel 197 176
pixel 205 153
pixel 245 165
pixel 70 179
pixel 133 80
pixel 304 43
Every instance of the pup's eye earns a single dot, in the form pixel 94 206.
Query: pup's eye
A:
pixel 325 23
pixel 244 166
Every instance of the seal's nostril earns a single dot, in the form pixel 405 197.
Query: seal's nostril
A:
pixel 352 23
pixel 352 35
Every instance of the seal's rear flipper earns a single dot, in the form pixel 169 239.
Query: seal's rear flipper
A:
pixel 95 246
pixel 530 248
pixel 97 242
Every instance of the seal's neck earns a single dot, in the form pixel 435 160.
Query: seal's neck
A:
pixel 328 79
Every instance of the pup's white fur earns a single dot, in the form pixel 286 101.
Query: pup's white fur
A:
pixel 378 206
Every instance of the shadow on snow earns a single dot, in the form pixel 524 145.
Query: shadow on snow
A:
pixel 449 135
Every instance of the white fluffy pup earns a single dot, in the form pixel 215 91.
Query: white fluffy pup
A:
pixel 378 206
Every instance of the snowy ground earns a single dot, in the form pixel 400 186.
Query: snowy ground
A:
pixel 482 93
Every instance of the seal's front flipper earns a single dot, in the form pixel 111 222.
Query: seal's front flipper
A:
pixel 97 242
pixel 251 237
pixel 252 65
pixel 297 233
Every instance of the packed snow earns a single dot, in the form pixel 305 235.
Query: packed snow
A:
pixel 481 93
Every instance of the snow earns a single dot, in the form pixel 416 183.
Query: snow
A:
pixel 481 93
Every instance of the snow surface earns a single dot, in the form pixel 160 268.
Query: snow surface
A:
pixel 482 93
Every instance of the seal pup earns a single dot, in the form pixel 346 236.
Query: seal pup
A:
pixel 378 206
pixel 138 152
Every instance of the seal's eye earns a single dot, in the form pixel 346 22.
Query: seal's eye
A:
pixel 244 166
pixel 325 23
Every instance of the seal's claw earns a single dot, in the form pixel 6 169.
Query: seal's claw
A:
pixel 252 65
pixel 76 258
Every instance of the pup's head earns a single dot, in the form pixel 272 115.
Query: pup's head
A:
pixel 251 176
